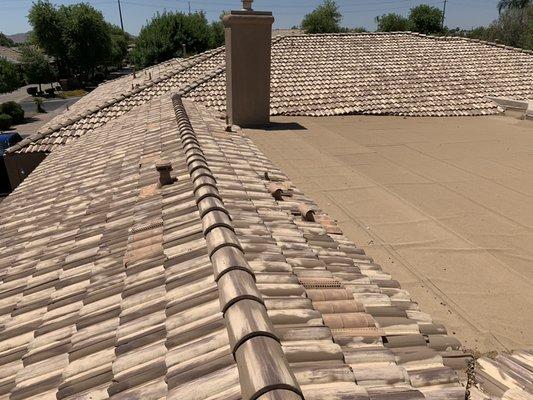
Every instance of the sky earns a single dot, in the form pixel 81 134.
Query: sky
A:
pixel 459 13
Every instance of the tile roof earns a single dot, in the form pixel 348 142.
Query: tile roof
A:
pixel 508 376
pixel 229 283
pixel 397 73
pixel 316 75
pixel 115 98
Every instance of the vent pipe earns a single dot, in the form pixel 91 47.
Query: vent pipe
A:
pixel 164 168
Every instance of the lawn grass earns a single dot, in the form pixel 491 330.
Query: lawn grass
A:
pixel 71 93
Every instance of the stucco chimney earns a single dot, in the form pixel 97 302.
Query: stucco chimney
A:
pixel 248 46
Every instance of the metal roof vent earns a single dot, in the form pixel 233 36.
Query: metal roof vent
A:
pixel 164 167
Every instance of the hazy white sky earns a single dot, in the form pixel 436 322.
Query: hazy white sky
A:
pixel 461 13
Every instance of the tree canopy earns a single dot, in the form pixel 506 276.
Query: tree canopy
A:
pixel 426 19
pixel 512 4
pixel 36 66
pixel 9 76
pixel 5 41
pixel 77 36
pixel 423 19
pixel 514 27
pixel 119 45
pixel 175 34
pixel 325 18
pixel 392 23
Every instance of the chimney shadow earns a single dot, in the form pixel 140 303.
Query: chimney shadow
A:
pixel 284 126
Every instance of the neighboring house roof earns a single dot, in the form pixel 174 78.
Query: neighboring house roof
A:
pixel 219 286
pixel 10 54
pixel 366 73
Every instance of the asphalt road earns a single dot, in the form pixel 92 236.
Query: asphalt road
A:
pixel 49 104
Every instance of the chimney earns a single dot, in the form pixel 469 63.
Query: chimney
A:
pixel 248 46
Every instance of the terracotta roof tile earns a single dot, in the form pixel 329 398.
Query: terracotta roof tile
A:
pixel 209 287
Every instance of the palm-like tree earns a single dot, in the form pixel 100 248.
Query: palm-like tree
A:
pixel 509 4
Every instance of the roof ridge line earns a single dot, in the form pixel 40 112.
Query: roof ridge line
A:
pixel 189 63
pixel 241 302
pixel 412 33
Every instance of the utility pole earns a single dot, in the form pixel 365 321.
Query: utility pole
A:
pixel 189 7
pixel 443 14
pixel 120 13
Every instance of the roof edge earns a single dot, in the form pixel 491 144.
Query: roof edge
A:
pixel 240 298
pixel 189 63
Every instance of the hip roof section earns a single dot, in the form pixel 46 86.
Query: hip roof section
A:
pixel 398 73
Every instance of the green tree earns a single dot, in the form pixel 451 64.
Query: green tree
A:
pixel 514 27
pixel 392 23
pixel 49 33
pixel 325 18
pixel 14 110
pixel 166 34
pixel 5 41
pixel 5 121
pixel 510 4
pixel 216 35
pixel 75 35
pixel 119 46
pixel 9 77
pixel 425 19
pixel 87 36
pixel 36 67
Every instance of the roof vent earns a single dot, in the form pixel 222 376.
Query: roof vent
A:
pixel 247 5
pixel 164 167
pixel 276 190
pixel 307 212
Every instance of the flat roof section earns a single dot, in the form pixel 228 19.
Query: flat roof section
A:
pixel 444 203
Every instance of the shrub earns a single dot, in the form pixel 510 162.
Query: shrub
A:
pixel 5 121
pixel 39 103
pixel 14 110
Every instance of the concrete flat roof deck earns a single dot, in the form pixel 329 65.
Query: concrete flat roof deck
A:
pixel 444 204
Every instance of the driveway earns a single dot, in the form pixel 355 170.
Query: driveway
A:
pixel 444 204
pixel 49 104
pixel 17 95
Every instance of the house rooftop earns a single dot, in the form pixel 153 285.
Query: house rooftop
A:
pixel 395 73
pixel 225 282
